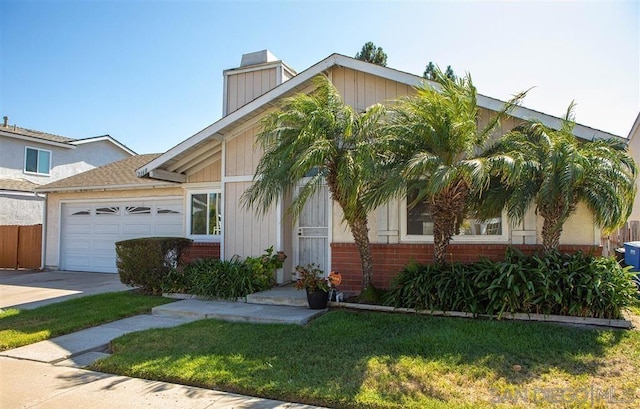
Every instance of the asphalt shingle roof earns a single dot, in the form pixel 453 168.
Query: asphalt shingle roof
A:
pixel 120 173
pixel 18 185
pixel 35 134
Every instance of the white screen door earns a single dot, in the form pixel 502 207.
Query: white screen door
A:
pixel 311 234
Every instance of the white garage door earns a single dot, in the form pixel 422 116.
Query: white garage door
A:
pixel 90 230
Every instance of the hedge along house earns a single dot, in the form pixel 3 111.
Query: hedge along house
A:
pixel 206 174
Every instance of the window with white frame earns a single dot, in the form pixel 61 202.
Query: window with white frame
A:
pixel 205 214
pixel 418 224
pixel 37 161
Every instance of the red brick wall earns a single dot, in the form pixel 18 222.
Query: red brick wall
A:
pixel 201 250
pixel 389 259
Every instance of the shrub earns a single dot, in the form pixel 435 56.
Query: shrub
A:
pixel 228 279
pixel 575 285
pixel 146 262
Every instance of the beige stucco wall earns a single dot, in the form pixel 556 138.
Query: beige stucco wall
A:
pixel 22 209
pixel 54 207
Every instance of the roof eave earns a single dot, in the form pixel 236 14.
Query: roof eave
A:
pixel 107 187
pixel 36 140
pixel 107 138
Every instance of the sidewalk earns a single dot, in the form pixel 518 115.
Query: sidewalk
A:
pixel 28 384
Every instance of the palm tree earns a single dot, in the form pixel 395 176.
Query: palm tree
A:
pixel 555 171
pixel 317 134
pixel 433 152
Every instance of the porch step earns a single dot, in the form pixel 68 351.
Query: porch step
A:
pixel 237 312
pixel 284 295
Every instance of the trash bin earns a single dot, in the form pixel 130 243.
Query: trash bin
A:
pixel 632 255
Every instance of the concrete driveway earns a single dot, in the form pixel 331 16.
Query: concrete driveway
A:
pixel 31 289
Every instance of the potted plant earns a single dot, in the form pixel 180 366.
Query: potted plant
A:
pixel 312 279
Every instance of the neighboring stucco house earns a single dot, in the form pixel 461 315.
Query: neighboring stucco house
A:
pixel 29 159
pixel 204 176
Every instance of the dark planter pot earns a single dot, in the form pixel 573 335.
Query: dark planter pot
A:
pixel 317 299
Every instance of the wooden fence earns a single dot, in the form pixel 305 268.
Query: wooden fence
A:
pixel 21 246
pixel 629 232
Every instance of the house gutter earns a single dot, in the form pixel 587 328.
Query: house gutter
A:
pixel 109 187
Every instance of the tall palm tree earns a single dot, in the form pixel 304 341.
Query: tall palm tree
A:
pixel 434 152
pixel 555 171
pixel 317 134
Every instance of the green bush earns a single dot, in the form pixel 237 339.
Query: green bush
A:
pixel 146 262
pixel 575 285
pixel 228 279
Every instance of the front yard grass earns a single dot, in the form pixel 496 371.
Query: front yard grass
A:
pixel 348 359
pixel 22 327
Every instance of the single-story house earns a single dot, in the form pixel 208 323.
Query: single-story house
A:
pixel 194 189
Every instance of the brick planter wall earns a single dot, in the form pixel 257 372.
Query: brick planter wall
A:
pixel 201 250
pixel 389 259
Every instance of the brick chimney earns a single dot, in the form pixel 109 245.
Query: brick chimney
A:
pixel 259 73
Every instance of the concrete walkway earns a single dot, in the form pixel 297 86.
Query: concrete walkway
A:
pixel 83 347
pixel 48 374
pixel 28 384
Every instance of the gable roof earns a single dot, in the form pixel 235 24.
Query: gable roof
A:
pixel 13 131
pixel 115 175
pixel 176 158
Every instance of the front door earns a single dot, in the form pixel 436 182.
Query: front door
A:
pixel 311 231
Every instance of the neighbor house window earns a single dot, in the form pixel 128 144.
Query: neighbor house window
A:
pixel 37 161
pixel 418 224
pixel 205 214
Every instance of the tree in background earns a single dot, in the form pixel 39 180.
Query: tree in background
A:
pixel 371 53
pixel 430 72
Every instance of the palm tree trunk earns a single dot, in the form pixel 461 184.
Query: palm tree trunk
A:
pixel 550 235
pixel 448 211
pixel 555 215
pixel 360 231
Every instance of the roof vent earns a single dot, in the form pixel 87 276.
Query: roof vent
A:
pixel 258 57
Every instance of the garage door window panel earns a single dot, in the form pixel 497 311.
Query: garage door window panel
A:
pixel 100 211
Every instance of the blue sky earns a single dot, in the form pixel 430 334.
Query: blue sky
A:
pixel 149 73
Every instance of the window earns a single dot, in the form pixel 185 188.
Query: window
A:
pixel 418 224
pixel 205 214
pixel 37 161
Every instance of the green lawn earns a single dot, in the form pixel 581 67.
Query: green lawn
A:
pixel 22 327
pixel 350 359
